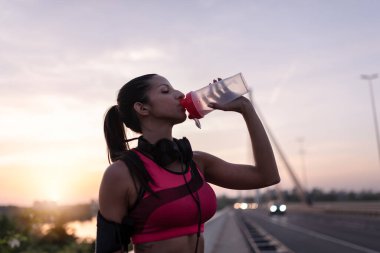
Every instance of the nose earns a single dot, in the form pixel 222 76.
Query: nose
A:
pixel 180 95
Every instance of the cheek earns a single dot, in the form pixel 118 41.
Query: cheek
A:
pixel 164 110
pixel 163 105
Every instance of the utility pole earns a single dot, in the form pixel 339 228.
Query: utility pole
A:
pixel 303 166
pixel 369 78
pixel 297 183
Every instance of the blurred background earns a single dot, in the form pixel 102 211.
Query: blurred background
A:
pixel 311 66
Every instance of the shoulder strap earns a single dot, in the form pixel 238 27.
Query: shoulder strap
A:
pixel 194 169
pixel 138 170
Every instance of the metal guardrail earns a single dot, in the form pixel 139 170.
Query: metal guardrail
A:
pixel 370 209
pixel 258 239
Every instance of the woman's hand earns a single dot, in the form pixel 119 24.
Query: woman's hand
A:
pixel 240 105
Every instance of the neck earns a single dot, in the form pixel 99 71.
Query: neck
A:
pixel 154 135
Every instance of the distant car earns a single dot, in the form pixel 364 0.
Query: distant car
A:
pixel 276 208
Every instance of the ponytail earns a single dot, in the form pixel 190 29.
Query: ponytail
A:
pixel 115 134
pixel 123 115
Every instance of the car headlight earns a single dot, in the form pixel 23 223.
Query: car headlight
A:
pixel 282 208
pixel 244 206
pixel 273 208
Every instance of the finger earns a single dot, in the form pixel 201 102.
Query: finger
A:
pixel 215 106
pixel 211 105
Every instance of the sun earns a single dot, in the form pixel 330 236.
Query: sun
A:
pixel 53 192
pixel 54 196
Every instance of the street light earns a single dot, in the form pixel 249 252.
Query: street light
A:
pixel 369 78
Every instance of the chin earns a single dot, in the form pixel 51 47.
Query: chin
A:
pixel 180 120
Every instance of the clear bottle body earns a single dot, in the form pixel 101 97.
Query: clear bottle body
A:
pixel 221 92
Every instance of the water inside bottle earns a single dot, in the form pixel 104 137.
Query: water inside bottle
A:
pixel 221 92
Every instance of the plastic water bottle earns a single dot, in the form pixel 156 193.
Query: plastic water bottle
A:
pixel 221 92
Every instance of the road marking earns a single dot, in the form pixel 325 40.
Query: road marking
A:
pixel 323 236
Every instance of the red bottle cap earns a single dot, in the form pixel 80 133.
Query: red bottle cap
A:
pixel 188 104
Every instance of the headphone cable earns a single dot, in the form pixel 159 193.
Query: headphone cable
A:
pixel 196 200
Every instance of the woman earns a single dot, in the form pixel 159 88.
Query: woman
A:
pixel 157 193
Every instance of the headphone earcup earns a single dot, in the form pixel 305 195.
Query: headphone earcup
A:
pixel 145 146
pixel 166 152
pixel 185 149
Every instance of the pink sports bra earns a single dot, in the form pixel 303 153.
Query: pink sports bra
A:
pixel 171 211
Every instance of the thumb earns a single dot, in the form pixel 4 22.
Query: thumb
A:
pixel 215 106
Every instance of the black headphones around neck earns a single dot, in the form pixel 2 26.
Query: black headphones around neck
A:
pixel 165 151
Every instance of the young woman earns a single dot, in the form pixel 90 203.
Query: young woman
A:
pixel 157 194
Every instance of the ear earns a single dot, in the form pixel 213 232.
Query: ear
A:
pixel 141 109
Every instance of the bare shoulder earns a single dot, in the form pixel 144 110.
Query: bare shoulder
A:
pixel 203 157
pixel 117 171
pixel 114 191
pixel 203 160
pixel 197 158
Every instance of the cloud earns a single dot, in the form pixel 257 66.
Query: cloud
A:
pixel 63 72
pixel 146 54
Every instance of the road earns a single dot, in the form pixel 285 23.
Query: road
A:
pixel 314 232
pixel 300 231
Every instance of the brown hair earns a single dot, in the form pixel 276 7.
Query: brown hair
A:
pixel 124 114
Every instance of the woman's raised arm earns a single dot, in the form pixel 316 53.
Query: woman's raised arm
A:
pixel 239 176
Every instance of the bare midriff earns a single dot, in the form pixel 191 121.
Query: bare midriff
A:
pixel 183 244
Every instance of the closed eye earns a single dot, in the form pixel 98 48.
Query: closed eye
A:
pixel 165 88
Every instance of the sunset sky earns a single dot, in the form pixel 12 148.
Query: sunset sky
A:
pixel 62 63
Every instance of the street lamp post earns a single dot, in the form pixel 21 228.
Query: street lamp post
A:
pixel 369 78
pixel 303 166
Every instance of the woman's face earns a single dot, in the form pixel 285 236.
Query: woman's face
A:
pixel 164 101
